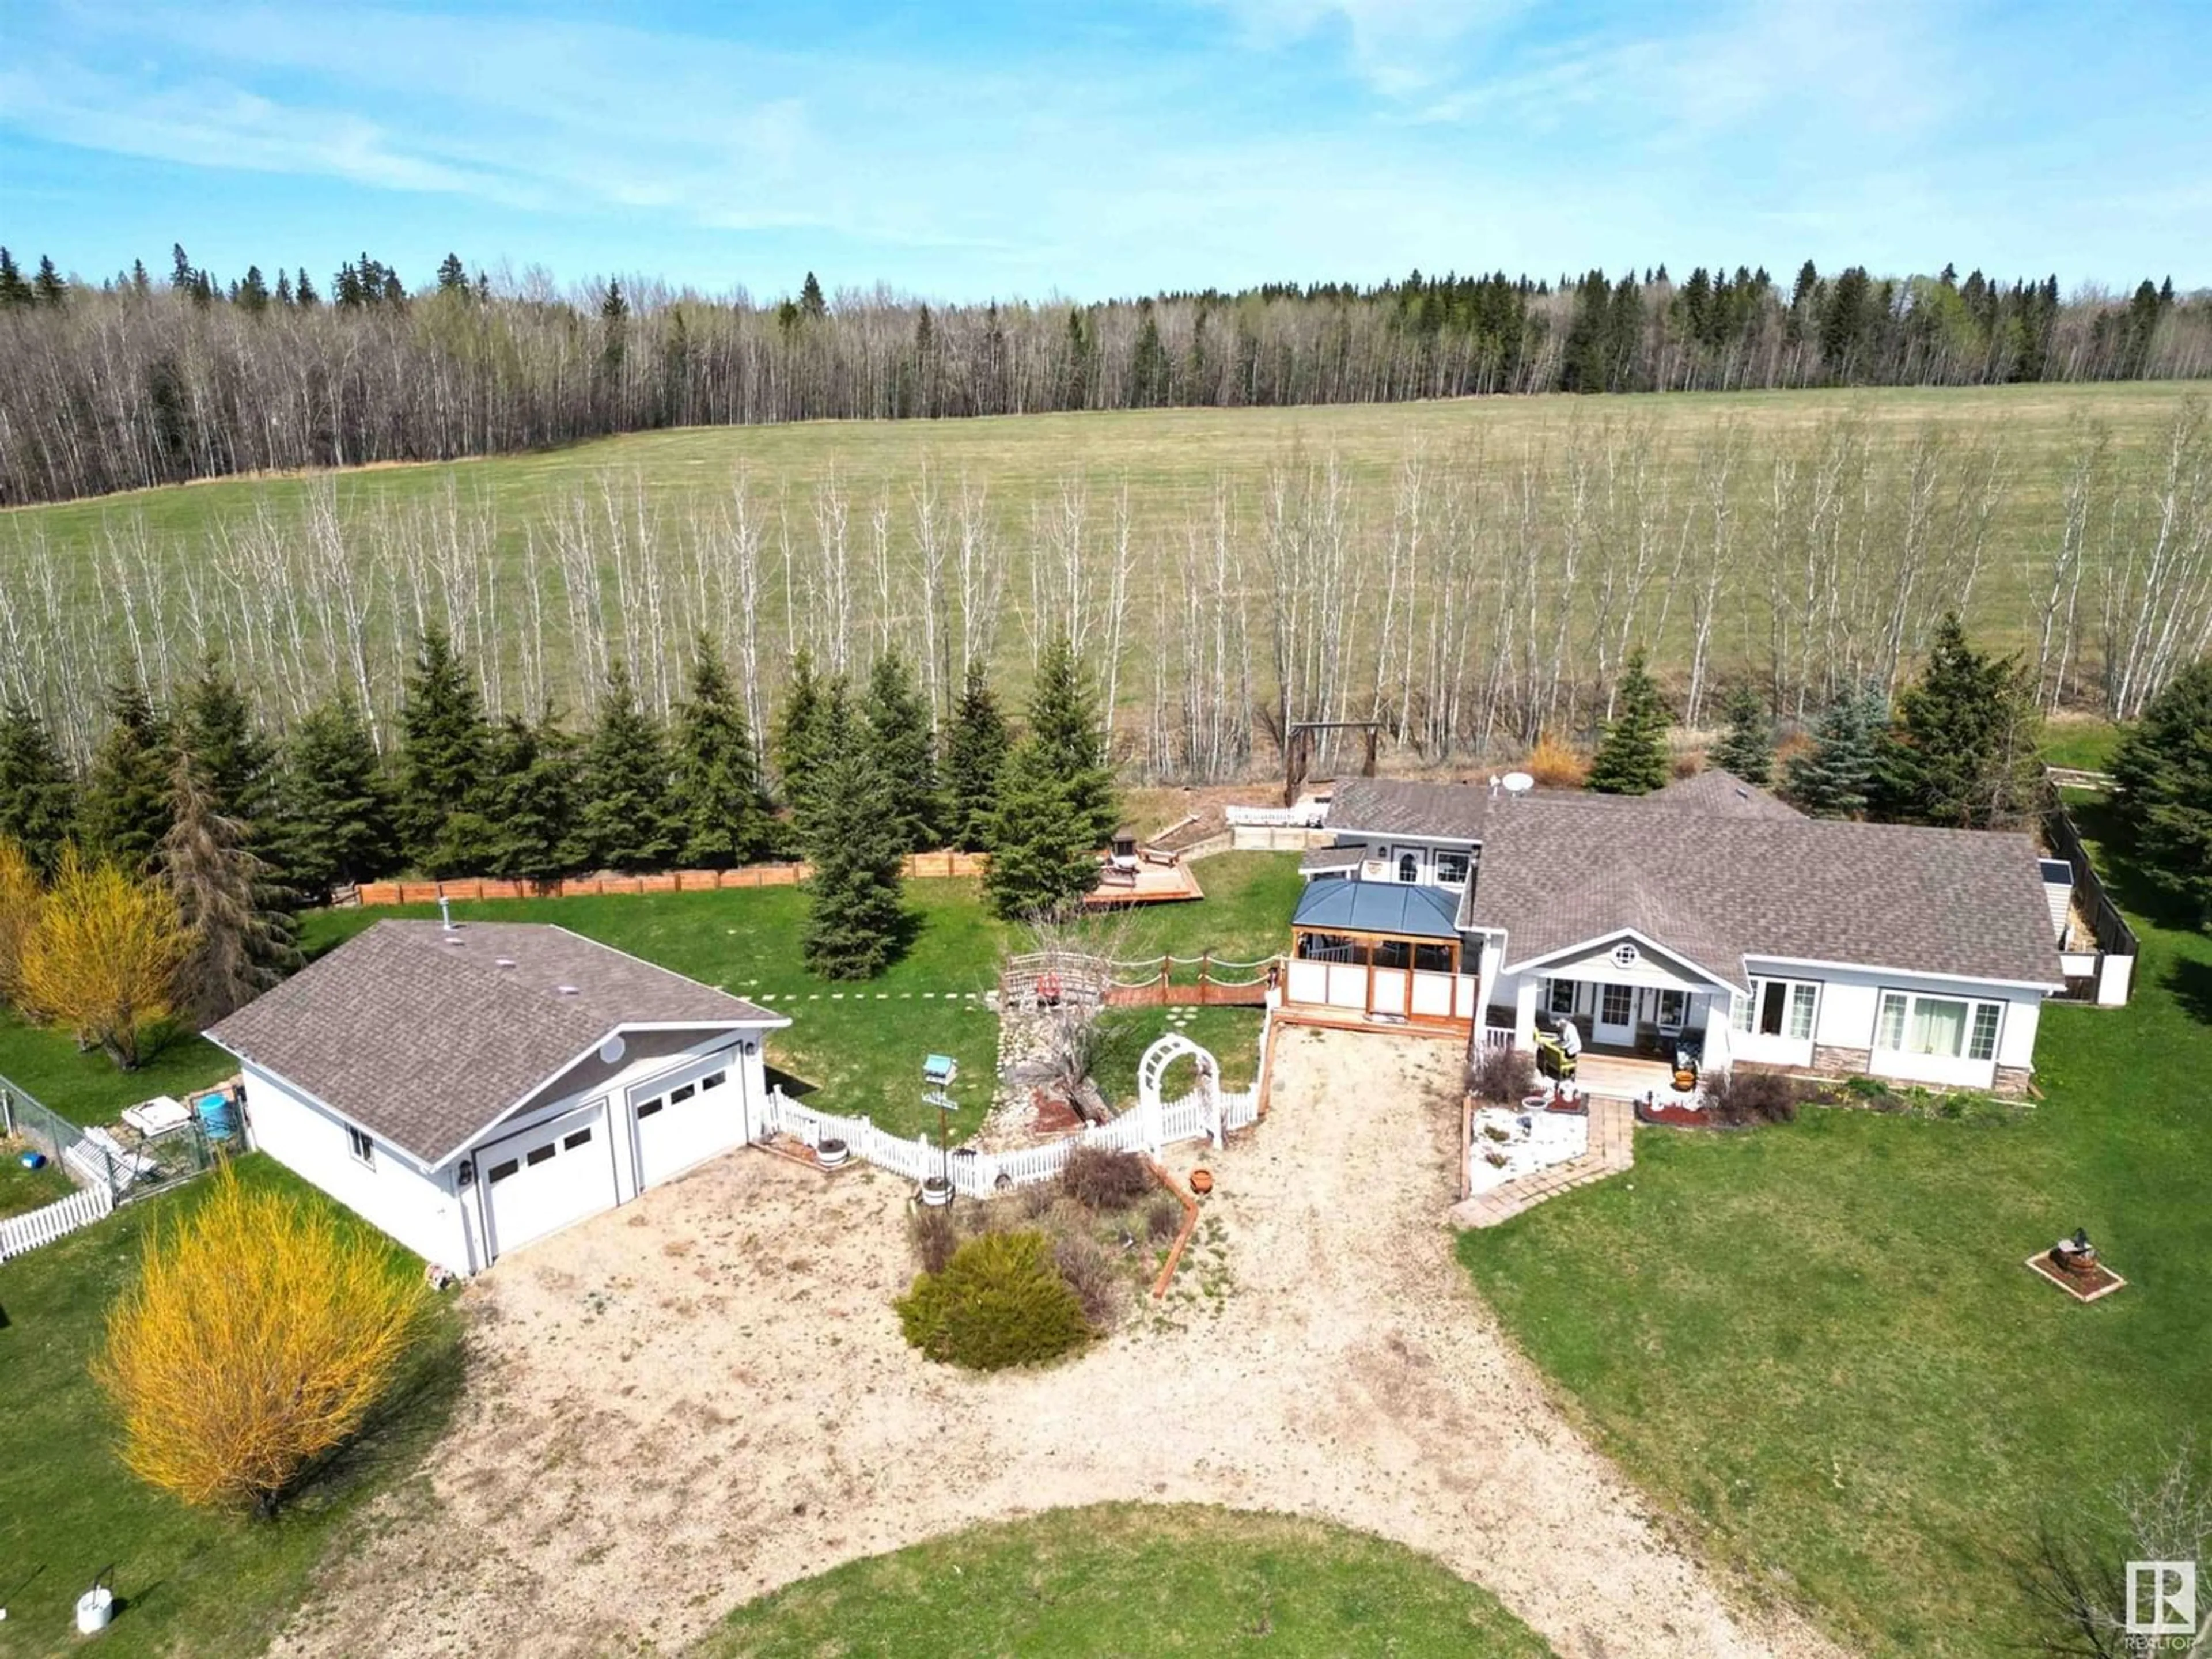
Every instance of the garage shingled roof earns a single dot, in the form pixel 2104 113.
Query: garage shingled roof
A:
pixel 422 1036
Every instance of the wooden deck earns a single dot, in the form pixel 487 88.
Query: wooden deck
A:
pixel 1155 884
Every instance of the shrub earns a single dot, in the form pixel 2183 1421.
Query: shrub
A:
pixel 934 1236
pixel 1745 1096
pixel 260 1331
pixel 1503 1075
pixel 1090 1273
pixel 103 953
pixel 1101 1179
pixel 1555 765
pixel 1162 1218
pixel 1000 1301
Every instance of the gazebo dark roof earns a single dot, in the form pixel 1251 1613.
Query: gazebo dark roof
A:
pixel 1403 910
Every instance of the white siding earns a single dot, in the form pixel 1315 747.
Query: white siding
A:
pixel 422 1211
pixel 1851 1000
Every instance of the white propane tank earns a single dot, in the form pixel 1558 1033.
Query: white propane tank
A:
pixel 93 1609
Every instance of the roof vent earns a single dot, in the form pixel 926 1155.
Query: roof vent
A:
pixel 566 990
pixel 455 939
pixel 503 961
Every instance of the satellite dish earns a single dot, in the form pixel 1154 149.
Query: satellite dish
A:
pixel 1518 783
pixel 613 1050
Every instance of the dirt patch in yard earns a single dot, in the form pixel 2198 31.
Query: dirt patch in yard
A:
pixel 704 1394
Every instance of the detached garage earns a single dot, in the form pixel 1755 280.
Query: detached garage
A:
pixel 472 1088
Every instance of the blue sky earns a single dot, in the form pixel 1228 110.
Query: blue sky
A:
pixel 980 147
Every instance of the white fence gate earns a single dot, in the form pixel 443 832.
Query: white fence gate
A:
pixel 979 1174
pixel 19 1233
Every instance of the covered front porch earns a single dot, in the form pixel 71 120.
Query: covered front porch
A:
pixel 1632 1004
pixel 1380 953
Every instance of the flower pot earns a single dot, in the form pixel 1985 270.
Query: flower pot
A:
pixel 1201 1182
pixel 831 1154
pixel 936 1191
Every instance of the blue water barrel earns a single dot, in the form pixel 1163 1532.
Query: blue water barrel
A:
pixel 33 1159
pixel 217 1119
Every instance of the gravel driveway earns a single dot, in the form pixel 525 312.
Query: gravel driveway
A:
pixel 703 1395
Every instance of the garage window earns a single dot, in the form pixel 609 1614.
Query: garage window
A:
pixel 713 1080
pixel 500 1171
pixel 361 1146
pixel 569 1143
pixel 676 1096
pixel 648 1108
pixel 538 1155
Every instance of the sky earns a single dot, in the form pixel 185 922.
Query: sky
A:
pixel 970 149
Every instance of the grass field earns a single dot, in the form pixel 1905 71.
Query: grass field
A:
pixel 188 1581
pixel 1820 1345
pixel 856 1048
pixel 1132 1579
pixel 1171 461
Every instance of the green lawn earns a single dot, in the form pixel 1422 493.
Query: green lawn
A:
pixel 1819 1343
pixel 1130 1578
pixel 2084 744
pixel 189 1582
pixel 87 1088
pixel 22 1189
pixel 858 1048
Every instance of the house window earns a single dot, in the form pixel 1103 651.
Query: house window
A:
pixel 1983 1044
pixel 1674 1009
pixel 1803 1000
pixel 1409 867
pixel 361 1146
pixel 1778 1007
pixel 1945 1028
pixel 1451 869
pixel 1619 1005
pixel 1625 955
pixel 1561 998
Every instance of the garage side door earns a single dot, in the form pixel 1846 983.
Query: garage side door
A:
pixel 539 1181
pixel 680 1125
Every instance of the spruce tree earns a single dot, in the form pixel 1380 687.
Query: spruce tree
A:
pixel 1631 757
pixel 1746 748
pixel 898 732
pixel 531 801
pixel 235 760
pixel 1043 856
pixel 854 919
pixel 444 751
pixel 336 804
pixel 1065 722
pixel 1964 745
pixel 126 794
pixel 724 819
pixel 1831 778
pixel 37 798
pixel 241 939
pixel 2165 771
pixel 975 753
pixel 628 820
pixel 800 738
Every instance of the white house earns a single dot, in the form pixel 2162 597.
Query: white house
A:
pixel 1708 915
pixel 472 1088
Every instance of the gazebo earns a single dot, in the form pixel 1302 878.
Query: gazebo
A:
pixel 1380 949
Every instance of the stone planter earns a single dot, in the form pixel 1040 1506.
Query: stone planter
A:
pixel 832 1154
pixel 936 1191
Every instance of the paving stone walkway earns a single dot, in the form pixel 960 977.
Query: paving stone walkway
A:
pixel 1611 1148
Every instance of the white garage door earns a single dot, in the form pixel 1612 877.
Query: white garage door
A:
pixel 546 1177
pixel 678 1125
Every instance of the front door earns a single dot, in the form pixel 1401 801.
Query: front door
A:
pixel 1616 1015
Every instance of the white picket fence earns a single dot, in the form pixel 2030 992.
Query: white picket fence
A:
pixel 980 1174
pixel 19 1233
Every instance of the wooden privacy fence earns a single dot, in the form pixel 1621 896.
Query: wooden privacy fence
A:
pixel 916 866
pixel 19 1233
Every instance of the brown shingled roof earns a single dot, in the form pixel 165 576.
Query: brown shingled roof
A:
pixel 1718 888
pixel 1400 806
pixel 1716 791
pixel 423 1042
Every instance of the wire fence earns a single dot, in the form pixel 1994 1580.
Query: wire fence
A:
pixel 127 1162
